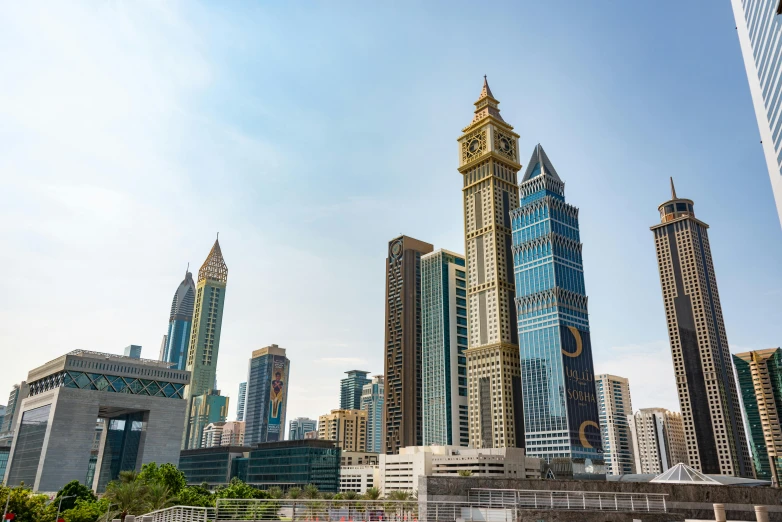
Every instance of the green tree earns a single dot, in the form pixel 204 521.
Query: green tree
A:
pixel 130 497
pixel 372 494
pixel 350 495
pixel 465 473
pixel 76 491
pixel 275 492
pixel 128 476
pixel 238 489
pixel 86 511
pixel 197 496
pixel 310 491
pixel 26 505
pixel 158 496
pixel 294 493
pixel 166 474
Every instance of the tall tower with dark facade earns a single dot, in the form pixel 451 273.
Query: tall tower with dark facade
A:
pixel 180 322
pixel 402 403
pixel 560 404
pixel 716 443
pixel 488 163
pixel 267 396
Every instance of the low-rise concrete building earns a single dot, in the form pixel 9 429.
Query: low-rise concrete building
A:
pixel 358 478
pixel 358 458
pixel 401 472
pixel 140 400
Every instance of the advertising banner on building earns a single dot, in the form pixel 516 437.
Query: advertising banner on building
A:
pixel 581 396
pixel 277 398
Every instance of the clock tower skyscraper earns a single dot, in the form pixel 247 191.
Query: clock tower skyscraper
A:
pixel 489 163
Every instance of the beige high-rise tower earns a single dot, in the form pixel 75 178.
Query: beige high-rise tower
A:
pixel 489 163
pixel 716 443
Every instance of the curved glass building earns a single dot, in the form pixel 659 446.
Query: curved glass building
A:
pixel 180 322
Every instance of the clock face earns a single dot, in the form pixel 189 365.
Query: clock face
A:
pixel 474 146
pixel 505 144
pixel 396 249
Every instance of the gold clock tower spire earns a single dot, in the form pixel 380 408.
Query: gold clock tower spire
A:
pixel 488 162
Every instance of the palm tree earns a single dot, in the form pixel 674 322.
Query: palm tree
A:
pixel 350 495
pixel 129 497
pixel 128 476
pixel 372 494
pixel 275 492
pixel 294 493
pixel 311 491
pixel 159 496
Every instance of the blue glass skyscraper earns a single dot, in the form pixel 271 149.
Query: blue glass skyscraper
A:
pixel 180 323
pixel 558 383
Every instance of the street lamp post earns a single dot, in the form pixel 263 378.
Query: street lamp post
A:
pixel 109 509
pixel 5 511
pixel 59 506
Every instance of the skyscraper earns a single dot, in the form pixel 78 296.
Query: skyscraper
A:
pixel 488 162
pixel 205 336
pixel 133 351
pixel 180 322
pixel 402 402
pixel 759 26
pixel 372 402
pixel 444 365
pixel 658 440
pixel 350 389
pixel 240 402
pixel 301 425
pixel 760 384
pixel 348 428
pixel 716 443
pixel 267 396
pixel 613 398
pixel 560 407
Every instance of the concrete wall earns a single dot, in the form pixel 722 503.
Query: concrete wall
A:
pixel 693 502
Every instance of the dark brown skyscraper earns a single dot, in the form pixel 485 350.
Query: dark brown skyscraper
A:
pixel 402 405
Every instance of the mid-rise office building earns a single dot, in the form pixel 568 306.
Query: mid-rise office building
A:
pixel 267 396
pixel 615 405
pixel 204 410
pixel 444 364
pixel 204 345
pixel 759 26
pixel 658 440
pixel 213 435
pixel 294 463
pixel 133 351
pixel 488 162
pixel 233 434
pixel 356 478
pixel 241 400
pixel 180 323
pixel 141 401
pixel 561 418
pixel 348 428
pixel 214 466
pixel 372 402
pixel 760 383
pixel 713 427
pixel 402 401
pixel 301 426
pixel 351 388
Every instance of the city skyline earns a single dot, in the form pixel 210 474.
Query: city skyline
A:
pixel 696 104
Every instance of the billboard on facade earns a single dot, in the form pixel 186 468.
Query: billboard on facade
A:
pixel 581 395
pixel 277 398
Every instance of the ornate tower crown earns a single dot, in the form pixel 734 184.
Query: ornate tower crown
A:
pixel 214 267
pixel 488 134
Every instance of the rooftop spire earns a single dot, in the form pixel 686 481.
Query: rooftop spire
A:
pixel 214 267
pixel 673 189
pixel 539 164
pixel 486 105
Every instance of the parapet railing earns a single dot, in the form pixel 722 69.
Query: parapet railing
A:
pixel 181 514
pixel 569 500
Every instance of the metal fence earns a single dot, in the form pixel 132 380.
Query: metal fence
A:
pixel 570 500
pixel 183 514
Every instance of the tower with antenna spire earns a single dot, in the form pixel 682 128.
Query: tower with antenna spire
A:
pixel 488 163
pixel 180 322
pixel 713 425
pixel 204 343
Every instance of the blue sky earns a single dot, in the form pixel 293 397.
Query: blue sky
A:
pixel 309 134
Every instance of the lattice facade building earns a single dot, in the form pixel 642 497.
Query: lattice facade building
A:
pixel 716 443
pixel 489 163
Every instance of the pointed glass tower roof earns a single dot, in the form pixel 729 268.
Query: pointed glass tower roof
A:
pixel 539 164
pixel 683 474
pixel 214 267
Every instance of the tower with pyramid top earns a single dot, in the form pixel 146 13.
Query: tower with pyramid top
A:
pixel 488 162
pixel 205 343
pixel 560 402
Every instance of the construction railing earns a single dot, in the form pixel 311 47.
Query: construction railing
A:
pixel 569 500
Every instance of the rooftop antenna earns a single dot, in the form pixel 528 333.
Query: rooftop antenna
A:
pixel 673 189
